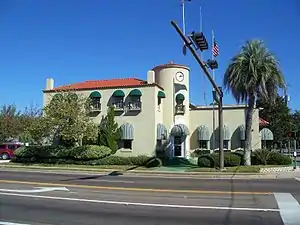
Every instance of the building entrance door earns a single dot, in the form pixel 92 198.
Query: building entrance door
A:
pixel 178 146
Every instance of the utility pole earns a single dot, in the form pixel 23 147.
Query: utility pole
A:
pixel 295 153
pixel 188 43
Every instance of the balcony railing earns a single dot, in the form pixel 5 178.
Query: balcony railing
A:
pixel 95 107
pixel 134 106
pixel 118 106
pixel 179 109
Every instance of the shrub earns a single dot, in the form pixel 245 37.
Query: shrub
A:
pixel 231 159
pixel 199 152
pixel 153 162
pixel 139 160
pixel 208 160
pixel 262 156
pixel 277 158
pixel 240 154
pixel 109 160
pixel 89 152
pixel 42 152
pixel 212 160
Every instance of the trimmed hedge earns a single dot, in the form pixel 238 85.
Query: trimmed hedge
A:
pixel 87 152
pixel 258 157
pixel 83 155
pixel 212 160
pixel 110 160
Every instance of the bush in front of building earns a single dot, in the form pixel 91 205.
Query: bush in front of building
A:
pixel 42 152
pixel 110 160
pixel 89 152
pixel 83 155
pixel 266 157
pixel 212 160
pixel 207 160
pixel 199 152
pixel 153 162
pixel 86 152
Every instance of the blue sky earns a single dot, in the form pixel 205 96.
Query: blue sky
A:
pixel 76 40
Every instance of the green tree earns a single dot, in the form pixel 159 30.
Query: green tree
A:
pixel 278 115
pixel 67 118
pixel 10 126
pixel 109 132
pixel 30 119
pixel 296 121
pixel 296 125
pixel 253 73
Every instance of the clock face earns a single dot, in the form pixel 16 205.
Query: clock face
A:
pixel 179 76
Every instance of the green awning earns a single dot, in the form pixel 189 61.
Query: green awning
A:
pixel 203 133
pixel 135 92
pixel 95 94
pixel 180 97
pixel 57 97
pixel 118 93
pixel 266 135
pixel 242 132
pixel 161 132
pixel 226 133
pixel 72 96
pixel 180 130
pixel 126 131
pixel 161 94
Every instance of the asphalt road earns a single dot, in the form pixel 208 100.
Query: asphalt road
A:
pixel 122 181
pixel 44 198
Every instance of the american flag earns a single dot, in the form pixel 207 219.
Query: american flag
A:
pixel 215 49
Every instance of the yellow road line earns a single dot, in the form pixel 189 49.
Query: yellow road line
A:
pixel 135 189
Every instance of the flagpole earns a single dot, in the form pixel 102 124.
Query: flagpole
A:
pixel 183 16
pixel 202 57
pixel 213 106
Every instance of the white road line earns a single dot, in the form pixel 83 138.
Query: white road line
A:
pixel 297 178
pixel 289 208
pixel 8 223
pixel 140 204
pixel 39 190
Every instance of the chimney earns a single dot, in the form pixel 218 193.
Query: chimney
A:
pixel 151 77
pixel 49 84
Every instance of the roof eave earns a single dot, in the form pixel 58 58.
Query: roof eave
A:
pixel 102 88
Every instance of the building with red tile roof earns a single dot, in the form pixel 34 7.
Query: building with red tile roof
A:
pixel 156 115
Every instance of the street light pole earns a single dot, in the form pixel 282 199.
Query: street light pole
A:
pixel 217 89
pixel 221 133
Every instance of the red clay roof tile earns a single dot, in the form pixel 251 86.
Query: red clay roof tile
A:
pixel 98 84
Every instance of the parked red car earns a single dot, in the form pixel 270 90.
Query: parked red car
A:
pixel 7 150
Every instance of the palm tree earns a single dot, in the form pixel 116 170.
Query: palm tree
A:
pixel 251 73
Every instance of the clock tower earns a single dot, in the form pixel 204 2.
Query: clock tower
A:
pixel 174 79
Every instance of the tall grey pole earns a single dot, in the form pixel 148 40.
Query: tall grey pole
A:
pixel 221 133
pixel 183 16
pixel 295 153
pixel 215 86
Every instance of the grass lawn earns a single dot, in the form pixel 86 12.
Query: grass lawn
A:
pixel 72 166
pixel 235 169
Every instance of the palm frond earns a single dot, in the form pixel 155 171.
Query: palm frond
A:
pixel 255 70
